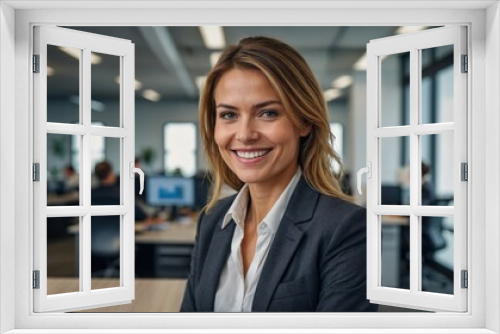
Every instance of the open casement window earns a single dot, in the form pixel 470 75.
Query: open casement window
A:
pixel 96 226
pixel 439 140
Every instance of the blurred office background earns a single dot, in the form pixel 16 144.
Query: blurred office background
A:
pixel 170 65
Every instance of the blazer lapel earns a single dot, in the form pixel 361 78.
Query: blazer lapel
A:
pixel 217 256
pixel 300 209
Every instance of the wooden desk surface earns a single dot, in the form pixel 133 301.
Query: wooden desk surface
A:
pixel 64 199
pixel 151 295
pixel 174 233
pixel 396 220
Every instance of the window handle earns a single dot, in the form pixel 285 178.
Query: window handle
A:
pixel 362 171
pixel 139 171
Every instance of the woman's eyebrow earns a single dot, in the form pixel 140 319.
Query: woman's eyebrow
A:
pixel 227 106
pixel 266 103
pixel 256 106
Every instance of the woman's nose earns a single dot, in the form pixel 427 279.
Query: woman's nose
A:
pixel 247 132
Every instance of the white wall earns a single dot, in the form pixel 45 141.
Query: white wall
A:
pixel 7 167
pixel 492 144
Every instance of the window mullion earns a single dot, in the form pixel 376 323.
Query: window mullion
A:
pixel 66 129
pixel 108 131
pixel 85 112
pixel 415 106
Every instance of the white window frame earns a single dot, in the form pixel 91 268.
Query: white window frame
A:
pixel 85 297
pixel 15 38
pixel 413 43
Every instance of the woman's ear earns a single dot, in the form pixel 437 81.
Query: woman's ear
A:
pixel 306 130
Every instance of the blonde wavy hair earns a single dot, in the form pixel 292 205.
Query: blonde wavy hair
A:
pixel 303 100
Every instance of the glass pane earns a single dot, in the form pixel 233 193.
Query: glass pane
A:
pixel 105 80
pixel 437 254
pixel 105 159
pixel 427 101
pixel 444 98
pixel 392 69
pixel 63 166
pixel 427 57
pixel 62 255
pixel 437 169
pixel 437 85
pixel 443 52
pixel 63 84
pixel 395 252
pixel 105 251
pixel 394 177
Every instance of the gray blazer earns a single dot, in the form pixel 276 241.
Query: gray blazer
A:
pixel 317 261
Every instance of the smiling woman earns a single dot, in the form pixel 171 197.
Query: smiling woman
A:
pixel 290 240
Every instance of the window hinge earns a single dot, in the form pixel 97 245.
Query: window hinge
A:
pixel 36 172
pixel 36 63
pixel 464 171
pixel 465 64
pixel 36 279
pixel 465 279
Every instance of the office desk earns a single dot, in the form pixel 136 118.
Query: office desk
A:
pixel 161 253
pixel 151 295
pixel 165 253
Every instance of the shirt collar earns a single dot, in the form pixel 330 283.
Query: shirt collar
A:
pixel 238 209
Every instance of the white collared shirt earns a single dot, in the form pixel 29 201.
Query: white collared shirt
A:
pixel 236 291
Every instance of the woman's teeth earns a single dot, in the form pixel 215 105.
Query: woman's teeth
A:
pixel 251 155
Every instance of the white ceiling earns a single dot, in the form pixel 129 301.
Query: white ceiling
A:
pixel 168 59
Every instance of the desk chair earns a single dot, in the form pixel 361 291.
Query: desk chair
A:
pixel 105 235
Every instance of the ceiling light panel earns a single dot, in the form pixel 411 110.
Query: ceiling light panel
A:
pixel 214 57
pixel 408 29
pixel 213 37
pixel 332 94
pixel 151 95
pixel 342 82
pixel 360 65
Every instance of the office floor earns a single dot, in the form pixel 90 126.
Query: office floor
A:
pixel 151 295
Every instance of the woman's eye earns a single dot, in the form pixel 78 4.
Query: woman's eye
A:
pixel 227 115
pixel 269 113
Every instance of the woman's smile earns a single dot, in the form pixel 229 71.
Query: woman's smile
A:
pixel 251 156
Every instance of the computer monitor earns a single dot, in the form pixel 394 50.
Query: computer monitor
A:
pixel 167 191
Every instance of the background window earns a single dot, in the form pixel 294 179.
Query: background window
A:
pixel 180 149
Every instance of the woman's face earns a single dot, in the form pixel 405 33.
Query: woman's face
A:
pixel 255 136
